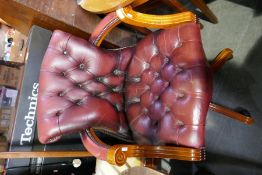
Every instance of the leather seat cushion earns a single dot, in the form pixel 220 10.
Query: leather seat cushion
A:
pixel 169 87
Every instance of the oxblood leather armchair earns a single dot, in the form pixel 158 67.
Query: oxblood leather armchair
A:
pixel 158 92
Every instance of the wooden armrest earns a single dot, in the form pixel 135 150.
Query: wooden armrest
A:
pixel 129 16
pixel 113 19
pixel 118 154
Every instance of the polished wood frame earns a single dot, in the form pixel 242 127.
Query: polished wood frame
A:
pixel 112 20
pixel 124 11
pixel 108 6
pixel 131 17
pixel 118 154
pixel 204 9
pixel 224 56
pixel 231 114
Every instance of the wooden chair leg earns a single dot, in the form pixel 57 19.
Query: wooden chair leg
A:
pixel 151 163
pixel 176 5
pixel 141 30
pixel 145 6
pixel 205 10
pixel 221 59
pixel 232 114
pixel 217 63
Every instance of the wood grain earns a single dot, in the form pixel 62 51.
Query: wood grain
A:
pixel 129 16
pixel 225 55
pixel 49 154
pixel 118 154
pixel 65 15
pixel 231 114
pixel 103 6
pixel 205 10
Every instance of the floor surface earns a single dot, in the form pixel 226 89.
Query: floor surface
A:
pixel 232 147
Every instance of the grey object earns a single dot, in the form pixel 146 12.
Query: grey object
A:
pixel 232 147
pixel 2 43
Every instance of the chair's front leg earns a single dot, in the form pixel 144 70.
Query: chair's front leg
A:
pixel 175 4
pixel 225 55
pixel 151 163
pixel 205 10
pixel 232 114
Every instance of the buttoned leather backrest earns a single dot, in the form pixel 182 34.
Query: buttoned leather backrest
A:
pixel 80 86
pixel 160 88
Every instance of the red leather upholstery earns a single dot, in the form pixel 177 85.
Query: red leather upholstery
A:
pixel 80 86
pixel 169 88
pixel 163 86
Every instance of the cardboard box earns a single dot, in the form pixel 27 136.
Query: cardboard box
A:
pixel 7 97
pixel 18 49
pixel 9 76
pixel 6 115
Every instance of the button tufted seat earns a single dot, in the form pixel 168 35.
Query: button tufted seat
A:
pixel 159 90
pixel 169 88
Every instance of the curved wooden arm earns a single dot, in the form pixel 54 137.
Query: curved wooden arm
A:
pixel 159 21
pixel 94 145
pixel 129 16
pixel 103 28
pixel 119 153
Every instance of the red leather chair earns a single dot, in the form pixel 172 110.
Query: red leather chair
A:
pixel 156 93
